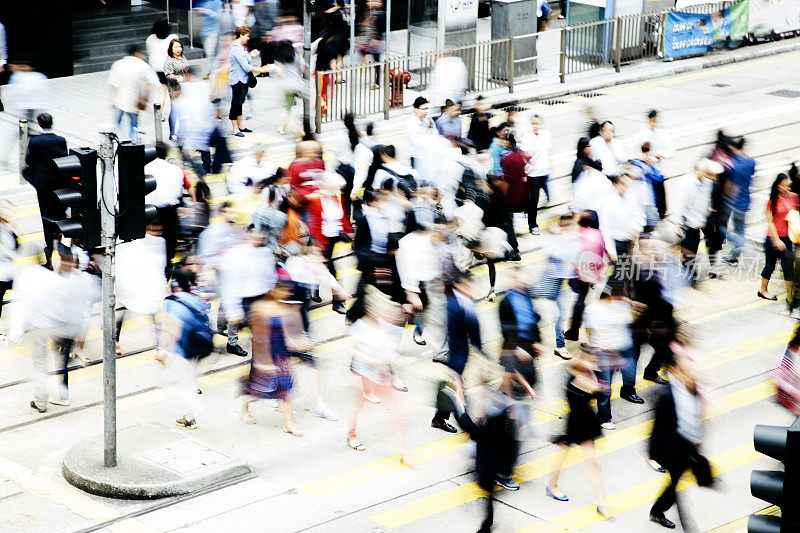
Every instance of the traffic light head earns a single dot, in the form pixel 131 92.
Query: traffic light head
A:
pixel 134 215
pixel 776 487
pixel 77 176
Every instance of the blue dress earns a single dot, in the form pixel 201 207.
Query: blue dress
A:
pixel 259 383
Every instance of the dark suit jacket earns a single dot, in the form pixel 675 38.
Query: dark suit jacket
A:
pixel 42 149
pixel 463 329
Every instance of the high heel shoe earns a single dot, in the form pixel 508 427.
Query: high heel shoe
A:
pixel 293 431
pixel 604 511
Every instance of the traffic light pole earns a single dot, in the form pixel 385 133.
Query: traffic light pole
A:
pixel 307 62
pixel 108 242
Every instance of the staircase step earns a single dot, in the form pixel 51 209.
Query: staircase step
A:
pixel 95 36
pixel 134 15
pixel 104 62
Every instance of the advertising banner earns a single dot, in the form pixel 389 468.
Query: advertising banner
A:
pixel 773 16
pixel 461 14
pixel 688 34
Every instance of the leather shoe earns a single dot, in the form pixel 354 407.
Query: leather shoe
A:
pixel 656 379
pixel 443 425
pixel 235 349
pixel 663 521
pixel 632 397
pixel 571 335
pixel 339 308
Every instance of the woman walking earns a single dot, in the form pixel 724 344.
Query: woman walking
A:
pixel 290 74
pixel 583 428
pixel 176 70
pixel 239 79
pixel 277 331
pixel 377 335
pixel 778 245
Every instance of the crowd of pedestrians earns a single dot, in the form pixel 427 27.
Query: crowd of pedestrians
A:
pixel 621 251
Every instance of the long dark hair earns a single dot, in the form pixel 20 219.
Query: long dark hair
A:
pixel 583 142
pixel 284 52
pixel 352 131
pixel 773 192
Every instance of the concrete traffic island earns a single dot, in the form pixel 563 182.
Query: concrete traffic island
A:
pixel 153 461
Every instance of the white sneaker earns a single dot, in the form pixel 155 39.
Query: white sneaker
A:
pixel 322 411
pixel 795 314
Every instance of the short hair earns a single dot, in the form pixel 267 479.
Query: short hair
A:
pixel 603 124
pixel 183 278
pixel 535 115
pixel 388 185
pixel 170 53
pixel 595 164
pixel 45 121
pixel 449 103
pixel 653 113
pixel 161 28
pixel 420 101
pixel 65 252
pixel 162 149
pixel 389 151
pixel 241 30
pixel 135 48
pixel 589 219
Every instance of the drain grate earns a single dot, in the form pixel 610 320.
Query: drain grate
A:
pixel 591 94
pixel 720 84
pixel 785 93
pixel 552 102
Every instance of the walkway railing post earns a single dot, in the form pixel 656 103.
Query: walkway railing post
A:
pixel 563 67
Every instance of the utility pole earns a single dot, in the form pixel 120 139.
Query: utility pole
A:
pixel 307 62
pixel 108 204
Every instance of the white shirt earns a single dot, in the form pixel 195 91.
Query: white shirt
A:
pixel 140 284
pixel 169 183
pixel 694 202
pixel 157 50
pixel 332 214
pixel 620 218
pixel 246 169
pixel 589 190
pixel 245 271
pixel 27 90
pixel 609 325
pixel 381 175
pixel 659 144
pixel 131 77
pixel 50 300
pixel 610 155
pixel 448 179
pixel 362 160
pixel 418 133
pixel 240 15
pixel 538 147
pixel 448 80
pixel 418 260
pixel 194 115
pixel 309 271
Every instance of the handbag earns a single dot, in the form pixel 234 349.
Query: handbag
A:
pixel 252 81
pixel 793 221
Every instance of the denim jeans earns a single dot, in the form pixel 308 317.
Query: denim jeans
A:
pixel 628 383
pixel 736 237
pixel 134 124
pixel 550 289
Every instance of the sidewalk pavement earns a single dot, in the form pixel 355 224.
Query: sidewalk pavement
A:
pixel 79 104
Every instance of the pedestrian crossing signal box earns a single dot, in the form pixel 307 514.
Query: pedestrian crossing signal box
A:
pixel 133 214
pixel 77 197
pixel 781 488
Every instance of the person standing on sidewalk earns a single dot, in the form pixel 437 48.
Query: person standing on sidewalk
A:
pixel 132 83
pixel 538 145
pixel 241 70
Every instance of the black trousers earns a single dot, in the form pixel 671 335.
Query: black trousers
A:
pixel 581 289
pixel 4 286
pixel 327 254
pixel 668 498
pixel 690 245
pixel 661 352
pixel 168 218
pixel 239 92
pixel 535 185
pixel 221 153
pixel 64 349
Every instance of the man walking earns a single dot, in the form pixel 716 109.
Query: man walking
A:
pixel 132 82
pixel 42 175
pixel 537 145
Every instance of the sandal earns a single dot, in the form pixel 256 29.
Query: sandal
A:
pixel 281 131
pixel 247 418
pixel 372 398
pixel 293 431
pixel 354 443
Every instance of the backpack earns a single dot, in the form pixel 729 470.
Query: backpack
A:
pixel 197 338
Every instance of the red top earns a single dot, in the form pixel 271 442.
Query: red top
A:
pixel 314 219
pixel 786 203
pixel 303 176
pixel 513 166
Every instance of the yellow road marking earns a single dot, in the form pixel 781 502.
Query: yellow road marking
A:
pixel 450 498
pixel 643 493
pixel 740 525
